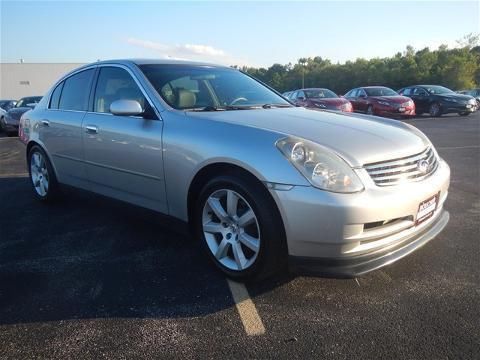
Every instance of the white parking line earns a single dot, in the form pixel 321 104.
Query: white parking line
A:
pixel 246 309
pixel 20 175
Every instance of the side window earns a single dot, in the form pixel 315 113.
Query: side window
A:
pixel 419 91
pixel 293 96
pixel 361 92
pixel 113 84
pixel 76 88
pixel 406 91
pixel 352 93
pixel 55 98
pixel 301 94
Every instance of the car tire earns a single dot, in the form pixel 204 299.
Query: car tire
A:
pixel 245 250
pixel 464 114
pixel 370 110
pixel 435 110
pixel 42 177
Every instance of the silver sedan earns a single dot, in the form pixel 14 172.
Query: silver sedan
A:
pixel 261 183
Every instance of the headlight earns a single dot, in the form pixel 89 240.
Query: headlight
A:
pixel 472 101
pixel 407 104
pixel 321 167
pixel 384 103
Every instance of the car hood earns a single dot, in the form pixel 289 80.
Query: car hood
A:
pixel 397 99
pixel 16 113
pixel 458 97
pixel 357 139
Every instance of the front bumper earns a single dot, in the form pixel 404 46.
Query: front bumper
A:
pixel 359 265
pixel 396 113
pixel 350 228
pixel 460 108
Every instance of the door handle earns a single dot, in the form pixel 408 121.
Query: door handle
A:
pixel 46 123
pixel 91 129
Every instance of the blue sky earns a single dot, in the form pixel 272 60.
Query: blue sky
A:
pixel 252 33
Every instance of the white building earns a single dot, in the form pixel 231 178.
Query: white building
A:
pixel 30 79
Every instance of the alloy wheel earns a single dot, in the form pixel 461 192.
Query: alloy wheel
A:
pixel 231 229
pixel 39 173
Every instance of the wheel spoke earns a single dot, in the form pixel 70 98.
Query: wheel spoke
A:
pixel 36 158
pixel 250 242
pixel 239 255
pixel 232 202
pixel 45 184
pixel 247 218
pixel 222 249
pixel 217 208
pixel 213 227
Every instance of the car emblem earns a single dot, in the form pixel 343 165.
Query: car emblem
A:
pixel 423 166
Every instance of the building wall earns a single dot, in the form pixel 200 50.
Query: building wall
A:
pixel 30 79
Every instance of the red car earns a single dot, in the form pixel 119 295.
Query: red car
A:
pixel 320 99
pixel 381 101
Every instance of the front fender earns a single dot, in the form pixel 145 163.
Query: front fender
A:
pixel 191 143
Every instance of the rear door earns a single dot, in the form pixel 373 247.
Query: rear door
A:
pixel 352 97
pixel 60 129
pixel 123 154
pixel 421 99
pixel 361 100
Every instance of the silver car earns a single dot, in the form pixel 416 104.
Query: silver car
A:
pixel 263 184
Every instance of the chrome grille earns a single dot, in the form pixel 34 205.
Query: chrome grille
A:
pixel 406 169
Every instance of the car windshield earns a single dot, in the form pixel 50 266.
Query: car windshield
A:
pixel 438 90
pixel 380 91
pixel 320 94
pixel 198 87
pixel 28 100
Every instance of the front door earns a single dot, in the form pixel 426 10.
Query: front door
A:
pixel 123 154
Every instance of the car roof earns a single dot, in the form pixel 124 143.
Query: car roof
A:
pixel 156 62
pixel 373 87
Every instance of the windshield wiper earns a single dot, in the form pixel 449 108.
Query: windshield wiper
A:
pixel 269 106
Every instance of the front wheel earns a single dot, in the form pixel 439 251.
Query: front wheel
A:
pixel 240 228
pixel 42 176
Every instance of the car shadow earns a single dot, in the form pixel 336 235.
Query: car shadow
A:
pixel 87 256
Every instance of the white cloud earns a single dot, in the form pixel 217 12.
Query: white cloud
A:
pixel 188 51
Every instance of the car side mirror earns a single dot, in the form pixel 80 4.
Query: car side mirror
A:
pixel 126 108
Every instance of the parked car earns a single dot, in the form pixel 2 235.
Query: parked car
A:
pixel 319 98
pixel 7 104
pixel 259 180
pixel 287 94
pixel 473 92
pixel 10 120
pixel 437 100
pixel 381 101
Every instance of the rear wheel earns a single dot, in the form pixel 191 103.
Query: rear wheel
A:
pixel 240 228
pixel 42 176
pixel 435 110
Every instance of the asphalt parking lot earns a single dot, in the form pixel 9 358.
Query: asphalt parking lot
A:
pixel 90 277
